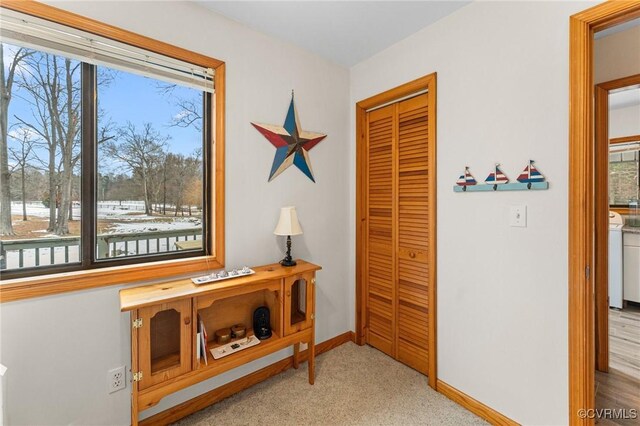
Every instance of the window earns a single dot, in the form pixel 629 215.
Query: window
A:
pixel 624 147
pixel 150 169
pixel 624 168
pixel 111 151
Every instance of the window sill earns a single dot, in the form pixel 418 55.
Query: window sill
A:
pixel 622 210
pixel 45 285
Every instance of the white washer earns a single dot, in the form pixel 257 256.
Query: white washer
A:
pixel 616 222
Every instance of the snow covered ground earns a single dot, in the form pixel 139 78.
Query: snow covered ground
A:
pixel 130 212
pixel 148 226
pixel 125 218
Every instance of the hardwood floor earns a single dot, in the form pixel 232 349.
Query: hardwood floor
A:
pixel 616 390
pixel 620 388
pixel 624 340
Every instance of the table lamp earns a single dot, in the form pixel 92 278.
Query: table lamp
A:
pixel 288 225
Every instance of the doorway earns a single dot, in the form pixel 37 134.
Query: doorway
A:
pixel 617 139
pixel 617 239
pixel 582 217
pixel 396 224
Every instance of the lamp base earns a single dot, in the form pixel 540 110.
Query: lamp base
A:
pixel 288 261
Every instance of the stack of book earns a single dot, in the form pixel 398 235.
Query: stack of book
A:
pixel 201 341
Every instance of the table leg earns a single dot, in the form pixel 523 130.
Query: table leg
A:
pixel 134 367
pixel 312 359
pixel 296 355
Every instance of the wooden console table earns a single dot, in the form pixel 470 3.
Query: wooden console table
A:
pixel 164 326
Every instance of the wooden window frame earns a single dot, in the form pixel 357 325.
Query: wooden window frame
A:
pixel 427 82
pixel 35 286
pixel 602 119
pixel 582 183
pixel 602 91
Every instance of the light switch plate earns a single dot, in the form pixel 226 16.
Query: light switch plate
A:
pixel 518 216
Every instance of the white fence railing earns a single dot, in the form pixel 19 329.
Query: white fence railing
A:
pixel 15 254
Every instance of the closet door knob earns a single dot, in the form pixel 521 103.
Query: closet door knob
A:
pixel 412 255
pixel 187 320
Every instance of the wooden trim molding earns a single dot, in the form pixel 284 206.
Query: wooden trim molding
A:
pixel 582 27
pixel 625 139
pixel 418 85
pixel 200 402
pixel 601 205
pixel 23 288
pixel 79 22
pixel 473 405
pixel 45 285
pixel 621 210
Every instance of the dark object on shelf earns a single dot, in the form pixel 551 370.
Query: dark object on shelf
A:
pixel 238 331
pixel 262 323
pixel 223 336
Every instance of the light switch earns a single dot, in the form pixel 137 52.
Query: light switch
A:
pixel 518 216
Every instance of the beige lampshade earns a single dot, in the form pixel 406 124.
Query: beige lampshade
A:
pixel 288 223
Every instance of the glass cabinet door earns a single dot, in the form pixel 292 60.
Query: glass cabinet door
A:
pixel 298 303
pixel 164 342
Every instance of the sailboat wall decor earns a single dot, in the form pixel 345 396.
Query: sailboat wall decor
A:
pixel 530 178
pixel 466 179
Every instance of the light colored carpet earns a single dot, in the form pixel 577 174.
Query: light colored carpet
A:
pixel 355 385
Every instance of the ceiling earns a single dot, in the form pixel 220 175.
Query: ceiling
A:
pixel 345 32
pixel 629 96
pixel 617 28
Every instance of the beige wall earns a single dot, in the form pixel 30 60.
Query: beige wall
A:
pixel 624 121
pixel 503 87
pixel 59 348
pixel 617 55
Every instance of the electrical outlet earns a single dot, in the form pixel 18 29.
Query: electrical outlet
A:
pixel 116 379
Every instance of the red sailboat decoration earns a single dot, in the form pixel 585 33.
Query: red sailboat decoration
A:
pixel 496 177
pixel 466 179
pixel 530 175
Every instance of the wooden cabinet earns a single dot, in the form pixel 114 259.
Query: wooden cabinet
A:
pixel 164 342
pixel 164 326
pixel 631 267
pixel 298 290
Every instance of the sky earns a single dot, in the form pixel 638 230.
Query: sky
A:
pixel 128 97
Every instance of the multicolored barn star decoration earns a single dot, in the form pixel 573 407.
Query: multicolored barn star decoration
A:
pixel 292 143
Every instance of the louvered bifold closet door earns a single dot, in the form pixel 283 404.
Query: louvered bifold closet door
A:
pixel 380 247
pixel 412 233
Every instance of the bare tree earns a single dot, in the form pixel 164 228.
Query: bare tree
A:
pixel 21 156
pixel 7 78
pixel 141 152
pixel 190 109
pixel 53 85
pixel 190 113
pixel 183 181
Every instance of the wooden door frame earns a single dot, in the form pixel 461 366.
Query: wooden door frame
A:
pixel 428 82
pixel 582 28
pixel 602 142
